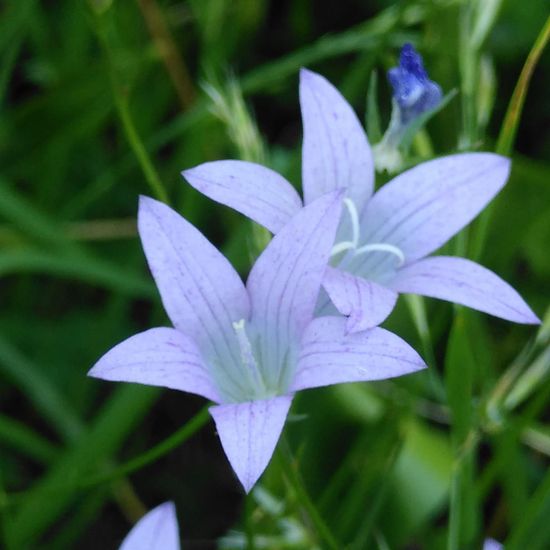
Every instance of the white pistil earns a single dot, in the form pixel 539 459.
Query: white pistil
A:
pixel 247 355
pixel 383 247
pixel 354 218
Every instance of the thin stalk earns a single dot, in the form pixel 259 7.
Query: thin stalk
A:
pixel 510 125
pixel 417 310
pixel 156 452
pixel 508 131
pixel 168 51
pixel 121 103
pixel 295 480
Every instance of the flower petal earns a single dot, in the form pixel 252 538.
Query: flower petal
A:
pixel 157 530
pixel 201 292
pixel 254 190
pixel 158 357
pixel 335 153
pixel 285 281
pixel 330 356
pixel 365 302
pixel 464 282
pixel 421 209
pixel 249 433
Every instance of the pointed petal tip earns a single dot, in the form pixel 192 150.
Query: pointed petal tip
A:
pixel 146 204
pixel 306 74
pixel 249 433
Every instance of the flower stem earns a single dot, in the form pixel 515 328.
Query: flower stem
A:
pixel 121 103
pixel 294 479
pixel 153 454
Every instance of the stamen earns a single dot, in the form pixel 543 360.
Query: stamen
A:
pixel 247 355
pixel 354 217
pixel 383 247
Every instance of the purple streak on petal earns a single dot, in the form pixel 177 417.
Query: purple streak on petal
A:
pixel 201 292
pixel 421 209
pixel 249 433
pixel 335 153
pixel 366 303
pixel 330 356
pixel 285 281
pixel 464 282
pixel 254 190
pixel 158 357
pixel 157 530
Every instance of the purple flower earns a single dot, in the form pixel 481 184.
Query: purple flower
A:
pixel 250 348
pixel 157 530
pixel 413 91
pixel 383 240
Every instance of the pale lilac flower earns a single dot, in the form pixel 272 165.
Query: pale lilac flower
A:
pixel 157 530
pixel 492 544
pixel 383 240
pixel 250 348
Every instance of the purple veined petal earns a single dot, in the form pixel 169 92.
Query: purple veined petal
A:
pixel 201 292
pixel 158 357
pixel 249 433
pixel 284 282
pixel 335 153
pixel 366 303
pixel 464 282
pixel 254 190
pixel 421 209
pixel 157 530
pixel 330 356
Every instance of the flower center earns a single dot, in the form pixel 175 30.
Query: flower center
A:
pixel 353 244
pixel 248 360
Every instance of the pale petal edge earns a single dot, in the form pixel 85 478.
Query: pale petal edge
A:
pixel 158 357
pixel 366 303
pixel 249 433
pixel 258 192
pixel 330 356
pixel 464 282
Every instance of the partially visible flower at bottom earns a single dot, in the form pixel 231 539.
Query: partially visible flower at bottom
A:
pixel 250 348
pixel 156 530
pixel 492 544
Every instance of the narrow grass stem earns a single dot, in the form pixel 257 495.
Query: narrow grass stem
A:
pixel 121 103
pixel 510 125
pixel 156 452
pixel 168 51
pixel 295 481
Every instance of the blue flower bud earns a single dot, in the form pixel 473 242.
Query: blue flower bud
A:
pixel 413 91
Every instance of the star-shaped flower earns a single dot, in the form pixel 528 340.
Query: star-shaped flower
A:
pixel 156 530
pixel 250 348
pixel 383 240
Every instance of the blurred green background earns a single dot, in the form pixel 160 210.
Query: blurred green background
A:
pixel 100 101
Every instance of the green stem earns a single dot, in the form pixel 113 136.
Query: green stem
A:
pixel 121 103
pixel 295 480
pixel 510 125
pixel 156 452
